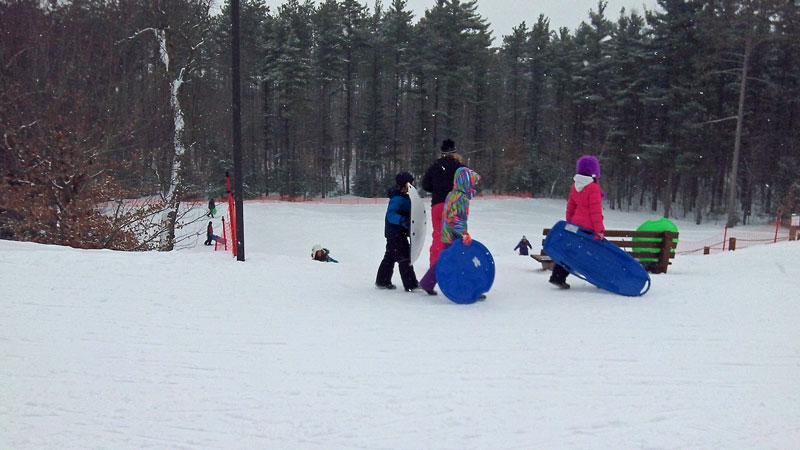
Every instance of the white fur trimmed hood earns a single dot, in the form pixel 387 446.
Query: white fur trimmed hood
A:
pixel 581 181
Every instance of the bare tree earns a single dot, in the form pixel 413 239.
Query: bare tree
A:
pixel 179 32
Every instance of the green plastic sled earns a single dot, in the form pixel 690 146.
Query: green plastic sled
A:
pixel 662 224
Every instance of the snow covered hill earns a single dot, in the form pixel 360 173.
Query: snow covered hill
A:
pixel 195 350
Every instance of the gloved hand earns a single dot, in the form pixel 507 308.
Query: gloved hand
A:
pixel 466 239
pixel 599 236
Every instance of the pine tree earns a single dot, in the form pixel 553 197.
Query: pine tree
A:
pixel 396 33
pixel 558 157
pixel 627 116
pixel 329 73
pixel 289 68
pixel 514 54
pixel 674 96
pixel 593 74
pixel 375 168
pixel 354 17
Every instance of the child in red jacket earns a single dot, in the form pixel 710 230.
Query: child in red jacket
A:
pixel 584 207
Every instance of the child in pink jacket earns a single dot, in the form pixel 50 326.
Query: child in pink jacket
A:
pixel 584 207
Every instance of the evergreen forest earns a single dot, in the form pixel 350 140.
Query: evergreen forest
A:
pixel 693 108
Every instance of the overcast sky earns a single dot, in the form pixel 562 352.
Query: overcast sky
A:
pixel 503 15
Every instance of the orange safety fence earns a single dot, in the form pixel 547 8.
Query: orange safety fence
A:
pixel 741 237
pixel 226 237
pixel 745 236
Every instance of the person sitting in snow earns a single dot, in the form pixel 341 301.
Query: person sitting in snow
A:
pixel 318 253
pixel 211 237
pixel 209 234
pixel 523 246
pixel 396 231
pixel 584 207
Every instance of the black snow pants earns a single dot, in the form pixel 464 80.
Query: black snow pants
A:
pixel 559 274
pixel 398 250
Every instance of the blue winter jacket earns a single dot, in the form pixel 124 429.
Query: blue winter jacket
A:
pixel 398 214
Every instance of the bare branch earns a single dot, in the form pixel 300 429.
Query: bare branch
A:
pixel 13 57
pixel 199 44
pixel 715 121
pixel 135 35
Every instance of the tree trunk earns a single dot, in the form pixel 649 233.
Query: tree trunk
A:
pixel 323 158
pixel 666 198
pixel 435 133
pixel 348 150
pixel 395 114
pixel 737 142
pixel 170 195
pixel 267 135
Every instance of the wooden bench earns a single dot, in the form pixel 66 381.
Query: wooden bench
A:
pixel 624 240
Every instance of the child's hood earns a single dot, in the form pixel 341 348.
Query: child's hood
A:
pixel 465 180
pixel 581 181
pixel 393 191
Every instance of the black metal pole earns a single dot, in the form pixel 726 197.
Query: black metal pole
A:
pixel 237 132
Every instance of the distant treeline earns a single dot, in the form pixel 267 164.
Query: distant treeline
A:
pixel 337 97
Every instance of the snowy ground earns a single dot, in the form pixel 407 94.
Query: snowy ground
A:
pixel 195 350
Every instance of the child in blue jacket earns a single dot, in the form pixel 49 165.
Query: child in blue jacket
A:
pixel 396 229
pixel 523 246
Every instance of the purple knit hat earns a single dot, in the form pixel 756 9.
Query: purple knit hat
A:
pixel 589 166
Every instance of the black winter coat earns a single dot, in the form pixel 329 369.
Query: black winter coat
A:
pixel 438 179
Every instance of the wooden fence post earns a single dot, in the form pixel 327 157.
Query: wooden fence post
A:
pixel 666 250
pixel 732 244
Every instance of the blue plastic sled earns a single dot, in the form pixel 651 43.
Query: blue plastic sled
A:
pixel 465 272
pixel 597 261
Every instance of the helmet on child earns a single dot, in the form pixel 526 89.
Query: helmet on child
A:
pixel 315 249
